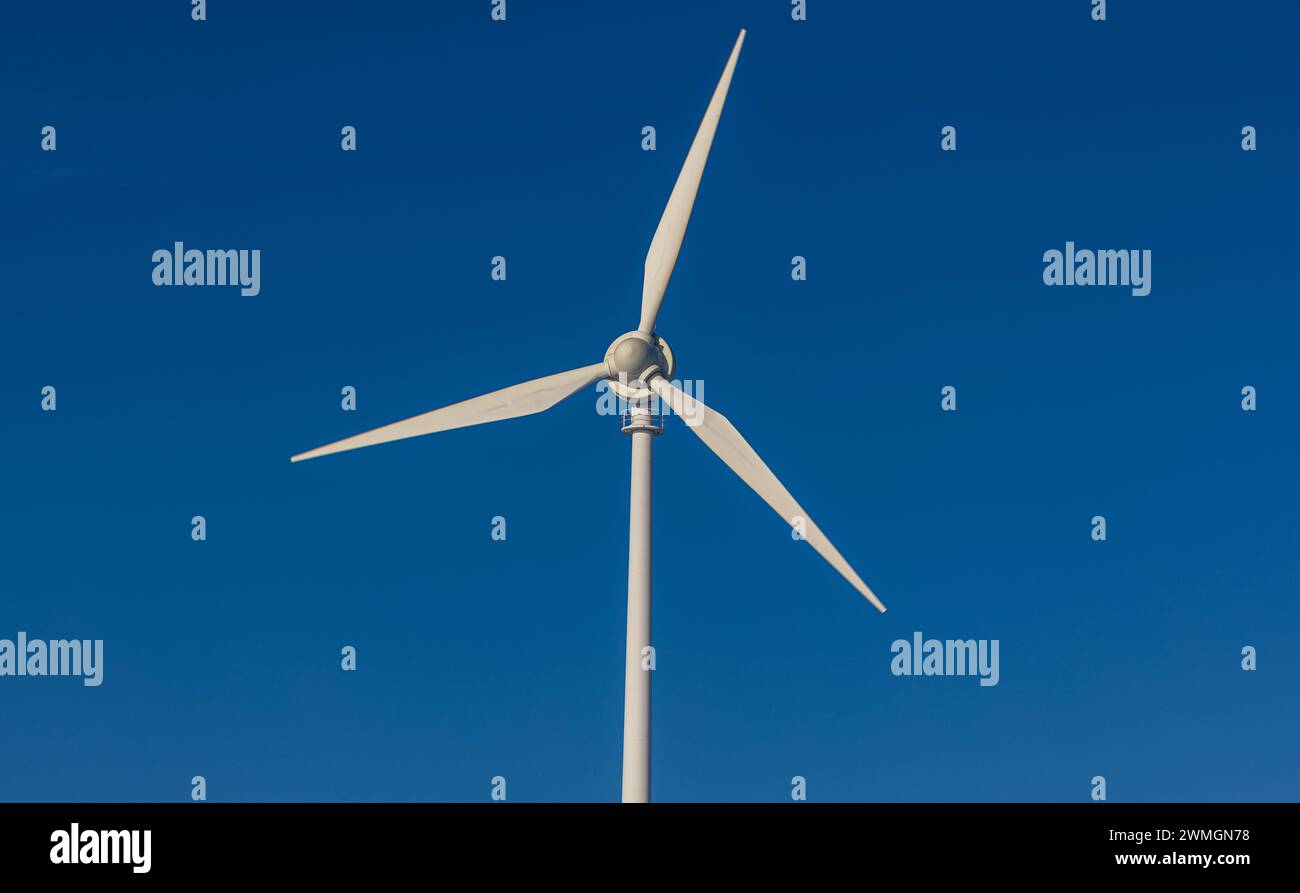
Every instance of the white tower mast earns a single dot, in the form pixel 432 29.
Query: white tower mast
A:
pixel 641 425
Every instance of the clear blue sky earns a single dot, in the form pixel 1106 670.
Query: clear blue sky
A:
pixel 481 658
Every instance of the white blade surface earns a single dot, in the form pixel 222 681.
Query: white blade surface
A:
pixel 507 403
pixel 667 242
pixel 722 437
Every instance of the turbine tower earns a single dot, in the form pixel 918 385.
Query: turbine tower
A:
pixel 640 367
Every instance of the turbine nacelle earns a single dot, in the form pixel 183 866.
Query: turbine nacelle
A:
pixel 635 358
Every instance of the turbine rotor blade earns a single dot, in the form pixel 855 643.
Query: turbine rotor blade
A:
pixel 721 436
pixel 667 241
pixel 507 403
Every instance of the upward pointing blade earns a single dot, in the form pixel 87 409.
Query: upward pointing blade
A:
pixel 507 403
pixel 722 437
pixel 667 242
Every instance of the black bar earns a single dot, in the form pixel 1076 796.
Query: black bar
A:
pixel 492 841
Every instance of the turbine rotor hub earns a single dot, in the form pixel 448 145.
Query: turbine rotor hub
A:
pixel 633 359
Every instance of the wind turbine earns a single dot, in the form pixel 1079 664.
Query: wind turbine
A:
pixel 639 366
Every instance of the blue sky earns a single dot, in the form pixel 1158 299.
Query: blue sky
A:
pixel 479 658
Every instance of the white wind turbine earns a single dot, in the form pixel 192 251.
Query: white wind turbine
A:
pixel 639 366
